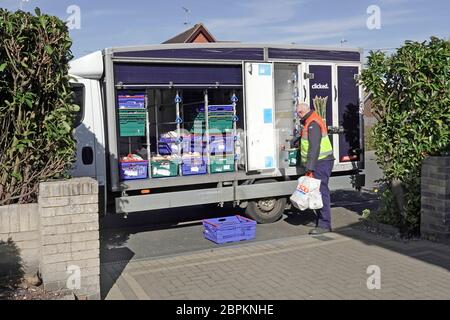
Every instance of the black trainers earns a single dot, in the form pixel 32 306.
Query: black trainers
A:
pixel 318 231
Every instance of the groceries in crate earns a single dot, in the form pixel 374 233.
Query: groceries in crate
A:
pixel 133 167
pixel 170 135
pixel 165 166
pixel 193 163
pixel 142 152
pixel 169 144
pixel 132 158
pixel 229 229
pixel 131 101
pixel 307 195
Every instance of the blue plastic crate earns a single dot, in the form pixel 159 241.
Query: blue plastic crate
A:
pixel 168 146
pixel 217 108
pixel 198 143
pixel 131 101
pixel 221 144
pixel 229 229
pixel 193 166
pixel 133 170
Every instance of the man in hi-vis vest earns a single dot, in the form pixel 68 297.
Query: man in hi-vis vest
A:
pixel 316 154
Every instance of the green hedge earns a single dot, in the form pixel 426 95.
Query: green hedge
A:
pixel 411 100
pixel 36 110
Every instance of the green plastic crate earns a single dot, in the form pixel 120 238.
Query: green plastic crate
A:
pixel 196 129
pixel 221 164
pixel 163 168
pixel 132 123
pixel 221 123
pixel 294 157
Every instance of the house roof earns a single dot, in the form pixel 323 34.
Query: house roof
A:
pixel 189 35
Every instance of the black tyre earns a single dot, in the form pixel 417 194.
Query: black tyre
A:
pixel 266 210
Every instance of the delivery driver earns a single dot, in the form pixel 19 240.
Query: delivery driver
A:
pixel 317 157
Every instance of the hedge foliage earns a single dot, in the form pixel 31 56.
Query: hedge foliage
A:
pixel 36 110
pixel 411 99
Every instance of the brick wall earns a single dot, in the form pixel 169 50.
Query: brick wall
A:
pixel 435 213
pixel 19 227
pixel 70 236
pixel 59 236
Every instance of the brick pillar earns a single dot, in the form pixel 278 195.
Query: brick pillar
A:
pixel 70 257
pixel 435 220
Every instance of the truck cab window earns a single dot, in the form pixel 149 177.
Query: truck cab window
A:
pixel 78 99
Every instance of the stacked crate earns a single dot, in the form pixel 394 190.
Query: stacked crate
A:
pixel 221 136
pixel 132 115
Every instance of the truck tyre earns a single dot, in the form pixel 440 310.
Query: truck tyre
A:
pixel 266 210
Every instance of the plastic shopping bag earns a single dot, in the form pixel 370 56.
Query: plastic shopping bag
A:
pixel 315 200
pixel 307 195
pixel 300 200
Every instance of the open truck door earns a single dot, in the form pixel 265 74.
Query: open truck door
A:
pixel 259 114
pixel 335 86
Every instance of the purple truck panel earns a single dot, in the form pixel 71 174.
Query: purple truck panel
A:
pixel 309 54
pixel 322 86
pixel 163 74
pixel 348 113
pixel 199 53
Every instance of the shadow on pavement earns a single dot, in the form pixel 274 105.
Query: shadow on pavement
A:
pixel 354 200
pixel 430 252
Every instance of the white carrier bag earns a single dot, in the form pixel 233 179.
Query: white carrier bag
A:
pixel 307 195
pixel 315 200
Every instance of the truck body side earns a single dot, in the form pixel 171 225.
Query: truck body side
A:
pixel 285 72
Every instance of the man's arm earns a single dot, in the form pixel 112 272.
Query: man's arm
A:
pixel 315 139
pixel 295 142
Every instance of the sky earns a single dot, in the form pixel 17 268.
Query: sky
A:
pixel 340 23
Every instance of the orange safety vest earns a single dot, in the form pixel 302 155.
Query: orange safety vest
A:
pixel 326 147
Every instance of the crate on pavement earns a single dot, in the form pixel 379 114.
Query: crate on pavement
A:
pixel 229 229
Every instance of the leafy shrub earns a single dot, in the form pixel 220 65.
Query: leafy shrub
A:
pixel 411 100
pixel 36 110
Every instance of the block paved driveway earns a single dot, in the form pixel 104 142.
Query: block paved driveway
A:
pixel 333 266
pixel 164 256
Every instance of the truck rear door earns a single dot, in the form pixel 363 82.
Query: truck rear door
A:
pixel 335 86
pixel 259 114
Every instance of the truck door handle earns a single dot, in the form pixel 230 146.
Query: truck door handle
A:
pixel 87 156
pixel 304 93
pixel 335 93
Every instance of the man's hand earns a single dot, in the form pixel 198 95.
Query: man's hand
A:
pixel 310 174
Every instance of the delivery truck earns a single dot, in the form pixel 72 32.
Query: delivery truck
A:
pixel 175 125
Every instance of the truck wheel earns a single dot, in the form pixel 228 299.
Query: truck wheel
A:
pixel 267 210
